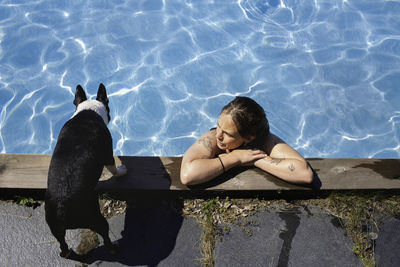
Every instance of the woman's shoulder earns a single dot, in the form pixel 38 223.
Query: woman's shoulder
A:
pixel 274 139
pixel 208 140
pixel 204 147
pixel 271 141
pixel 280 149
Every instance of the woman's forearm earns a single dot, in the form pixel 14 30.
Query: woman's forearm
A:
pixel 203 170
pixel 200 171
pixel 291 170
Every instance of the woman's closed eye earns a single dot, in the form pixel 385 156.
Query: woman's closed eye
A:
pixel 225 132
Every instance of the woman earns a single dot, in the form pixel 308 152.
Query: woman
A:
pixel 242 138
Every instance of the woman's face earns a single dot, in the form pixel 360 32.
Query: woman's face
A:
pixel 227 135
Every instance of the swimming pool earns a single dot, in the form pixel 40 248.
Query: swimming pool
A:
pixel 326 72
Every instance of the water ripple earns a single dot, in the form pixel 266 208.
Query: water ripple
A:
pixel 325 71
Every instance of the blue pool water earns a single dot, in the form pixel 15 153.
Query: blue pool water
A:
pixel 326 72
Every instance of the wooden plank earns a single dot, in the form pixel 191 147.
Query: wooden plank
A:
pixel 334 173
pixel 24 171
pixel 27 171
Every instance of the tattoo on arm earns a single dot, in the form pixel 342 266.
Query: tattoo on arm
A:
pixel 275 161
pixel 291 167
pixel 206 142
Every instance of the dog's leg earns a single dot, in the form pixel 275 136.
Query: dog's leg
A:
pixel 57 230
pixel 101 227
pixel 59 234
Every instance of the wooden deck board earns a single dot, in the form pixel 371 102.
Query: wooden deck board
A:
pixel 27 171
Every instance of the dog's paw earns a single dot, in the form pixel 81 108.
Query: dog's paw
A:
pixel 114 248
pixel 72 255
pixel 67 254
pixel 121 170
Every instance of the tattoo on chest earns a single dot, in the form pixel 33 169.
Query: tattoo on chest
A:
pixel 206 142
pixel 291 167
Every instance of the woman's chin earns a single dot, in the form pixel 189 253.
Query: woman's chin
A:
pixel 221 146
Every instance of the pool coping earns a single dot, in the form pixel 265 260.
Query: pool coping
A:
pixel 161 174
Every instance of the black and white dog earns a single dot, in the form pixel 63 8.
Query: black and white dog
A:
pixel 83 148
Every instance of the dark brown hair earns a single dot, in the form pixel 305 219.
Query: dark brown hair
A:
pixel 248 116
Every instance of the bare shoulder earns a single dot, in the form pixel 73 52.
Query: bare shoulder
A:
pixel 207 141
pixel 271 141
pixel 277 148
pixel 204 147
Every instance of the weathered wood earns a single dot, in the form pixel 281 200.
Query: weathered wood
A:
pixel 26 171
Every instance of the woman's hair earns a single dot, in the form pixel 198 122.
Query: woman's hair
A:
pixel 248 116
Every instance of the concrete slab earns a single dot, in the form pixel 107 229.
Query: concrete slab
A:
pixel 149 236
pixel 152 236
pixel 387 246
pixel 287 238
pixel 26 238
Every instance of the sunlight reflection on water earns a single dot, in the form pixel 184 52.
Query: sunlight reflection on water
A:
pixel 326 72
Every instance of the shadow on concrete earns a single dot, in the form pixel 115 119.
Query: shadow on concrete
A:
pixel 151 223
pixel 148 235
pixel 292 222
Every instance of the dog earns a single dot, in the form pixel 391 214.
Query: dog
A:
pixel 83 148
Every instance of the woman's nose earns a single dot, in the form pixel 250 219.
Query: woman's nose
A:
pixel 219 134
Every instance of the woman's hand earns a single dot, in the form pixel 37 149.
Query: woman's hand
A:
pixel 245 157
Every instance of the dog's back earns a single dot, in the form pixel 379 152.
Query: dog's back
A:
pixel 79 156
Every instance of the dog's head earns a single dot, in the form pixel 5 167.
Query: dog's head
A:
pixel 100 105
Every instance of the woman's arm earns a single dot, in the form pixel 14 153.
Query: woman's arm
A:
pixel 200 165
pixel 285 162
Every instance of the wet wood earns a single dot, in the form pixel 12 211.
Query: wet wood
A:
pixel 26 171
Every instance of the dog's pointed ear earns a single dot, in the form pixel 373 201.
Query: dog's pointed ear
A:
pixel 80 95
pixel 102 94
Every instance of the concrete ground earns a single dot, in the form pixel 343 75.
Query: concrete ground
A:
pixel 155 235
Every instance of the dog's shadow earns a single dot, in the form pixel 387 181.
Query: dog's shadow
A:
pixel 151 223
pixel 149 233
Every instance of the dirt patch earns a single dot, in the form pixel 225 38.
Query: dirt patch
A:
pixel 110 207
